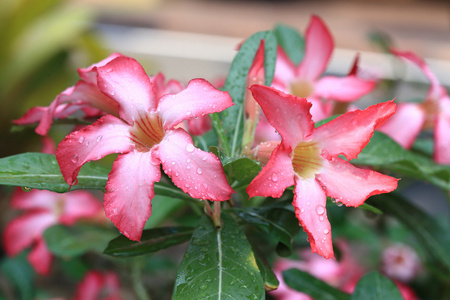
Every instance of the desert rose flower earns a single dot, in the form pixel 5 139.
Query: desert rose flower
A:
pixel 304 80
pixel 98 286
pixel 308 158
pixel 147 136
pixel 434 113
pixel 43 209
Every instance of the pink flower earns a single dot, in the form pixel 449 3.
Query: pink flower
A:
pixel 303 80
pixel 308 158
pixel 146 135
pixel 42 210
pixel 98 286
pixel 434 113
pixel 400 262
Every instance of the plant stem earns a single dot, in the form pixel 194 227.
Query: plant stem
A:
pixel 138 285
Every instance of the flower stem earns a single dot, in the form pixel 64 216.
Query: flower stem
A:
pixel 136 276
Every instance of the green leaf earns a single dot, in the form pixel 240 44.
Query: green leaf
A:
pixel 21 275
pixel 241 171
pixel 41 171
pixel 433 237
pixel 374 286
pixel 308 284
pixel 269 278
pixel 236 84
pixel 218 264
pixel 278 222
pixel 75 240
pixel 152 240
pixel 291 41
pixel 382 152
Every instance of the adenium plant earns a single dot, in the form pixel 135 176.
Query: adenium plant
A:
pixel 236 171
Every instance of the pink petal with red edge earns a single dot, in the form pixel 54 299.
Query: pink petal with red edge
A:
pixel 124 80
pixel 196 172
pixel 263 151
pixel 288 114
pixel 129 191
pixel 198 99
pixel 22 231
pixel 89 74
pixel 40 257
pixel 276 175
pixel 35 199
pixel 90 287
pixel 442 133
pixel 199 126
pixel 318 48
pixel 310 208
pixel 435 91
pixel 345 89
pixel 405 125
pixel 162 88
pixel 349 133
pixel 256 75
pixel 77 205
pixel 352 186
pixel 320 110
pixel 107 135
pixel 284 68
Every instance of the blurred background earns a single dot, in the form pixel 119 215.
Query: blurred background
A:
pixel 45 41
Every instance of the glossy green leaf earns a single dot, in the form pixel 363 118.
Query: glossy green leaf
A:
pixel 236 83
pixel 291 41
pixel 218 264
pixel 433 237
pixel 374 286
pixel 269 278
pixel 152 240
pixel 75 240
pixel 241 171
pixel 18 271
pixel 304 282
pixel 279 222
pixel 382 152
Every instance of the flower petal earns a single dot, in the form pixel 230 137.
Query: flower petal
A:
pixel 124 80
pixel 107 135
pixel 34 199
pixel 196 172
pixel 129 191
pixel 288 114
pixel 352 186
pixel 405 125
pixel 89 74
pixel 41 258
pixel 198 99
pixel 162 88
pixel 318 48
pixel 442 133
pixel 284 69
pixel 22 231
pixel 77 205
pixel 345 89
pixel 310 208
pixel 349 133
pixel 275 177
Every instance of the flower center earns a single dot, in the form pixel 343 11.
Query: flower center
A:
pixel 302 88
pixel 147 132
pixel 431 108
pixel 306 159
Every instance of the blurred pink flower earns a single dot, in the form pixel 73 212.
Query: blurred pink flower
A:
pixel 433 113
pixel 146 136
pixel 303 80
pixel 400 262
pixel 43 209
pixel 98 286
pixel 308 158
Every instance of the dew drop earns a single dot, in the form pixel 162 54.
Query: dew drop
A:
pixel 321 218
pixel 188 113
pixel 75 159
pixel 99 138
pixel 81 140
pixel 204 158
pixel 320 209
pixel 274 177
pixel 189 148
pixel 326 231
pixel 26 189
pixel 307 203
pixel 199 171
pixel 205 186
pixel 339 203
pixel 302 210
pixel 87 143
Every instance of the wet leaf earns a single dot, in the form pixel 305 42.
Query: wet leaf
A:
pixel 291 41
pixel 218 264
pixel 152 240
pixel 374 286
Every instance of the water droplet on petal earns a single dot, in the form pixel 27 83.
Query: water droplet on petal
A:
pixel 204 158
pixel 75 159
pixel 188 113
pixel 99 138
pixel 307 203
pixel 26 189
pixel 274 177
pixel 326 231
pixel 190 148
pixel 339 203
pixel 205 186
pixel 81 140
pixel 199 171
pixel 320 209
pixel 87 143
